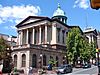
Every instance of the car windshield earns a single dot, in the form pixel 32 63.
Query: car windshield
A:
pixel 61 67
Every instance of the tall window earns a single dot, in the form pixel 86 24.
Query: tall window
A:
pixel 35 36
pixel 42 36
pixel 57 61
pixel 58 30
pixel 34 61
pixel 23 60
pixel 63 35
pixel 44 60
pixel 15 60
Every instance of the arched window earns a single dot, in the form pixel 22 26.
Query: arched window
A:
pixel 34 61
pixel 44 60
pixel 23 60
pixel 15 60
pixel 57 61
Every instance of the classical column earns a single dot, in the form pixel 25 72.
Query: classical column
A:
pixel 39 34
pixel 21 37
pixel 27 35
pixel 92 39
pixel 45 34
pixel 33 34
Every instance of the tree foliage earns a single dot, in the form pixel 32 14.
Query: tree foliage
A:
pixel 73 44
pixel 3 48
pixel 78 46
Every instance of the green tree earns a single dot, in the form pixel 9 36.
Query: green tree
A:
pixel 3 48
pixel 73 44
pixel 93 50
pixel 85 50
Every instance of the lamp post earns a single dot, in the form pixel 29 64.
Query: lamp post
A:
pixel 98 57
pixel 41 60
pixel 98 63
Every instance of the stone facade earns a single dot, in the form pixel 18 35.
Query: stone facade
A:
pixel 41 39
pixel 98 40
pixel 91 34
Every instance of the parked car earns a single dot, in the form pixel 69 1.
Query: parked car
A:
pixel 86 65
pixel 64 69
pixel 96 64
pixel 78 66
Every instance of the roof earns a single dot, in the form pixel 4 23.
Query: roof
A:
pixel 32 17
pixel 90 30
pixel 40 19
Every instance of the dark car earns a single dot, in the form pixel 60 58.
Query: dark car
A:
pixel 64 69
pixel 97 64
pixel 86 65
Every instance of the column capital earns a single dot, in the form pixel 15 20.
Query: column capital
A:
pixel 33 27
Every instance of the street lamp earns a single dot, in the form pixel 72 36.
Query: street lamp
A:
pixel 41 60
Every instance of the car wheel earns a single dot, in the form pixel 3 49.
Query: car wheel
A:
pixel 65 71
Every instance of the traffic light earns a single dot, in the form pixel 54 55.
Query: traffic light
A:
pixel 95 4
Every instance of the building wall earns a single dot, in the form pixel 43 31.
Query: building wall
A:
pixel 98 40
pixel 29 53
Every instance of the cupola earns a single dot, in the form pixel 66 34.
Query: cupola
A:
pixel 59 14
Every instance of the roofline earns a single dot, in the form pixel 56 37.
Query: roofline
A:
pixel 78 27
pixel 40 17
pixel 91 31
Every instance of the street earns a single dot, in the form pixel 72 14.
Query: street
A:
pixel 80 71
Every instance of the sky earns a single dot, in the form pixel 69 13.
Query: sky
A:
pixel 78 12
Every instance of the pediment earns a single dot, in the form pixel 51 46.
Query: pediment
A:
pixel 30 19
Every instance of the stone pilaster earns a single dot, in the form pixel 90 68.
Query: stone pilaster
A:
pixel 65 36
pixel 27 58
pixel 19 38
pixel 54 35
pixel 19 60
pixel 60 35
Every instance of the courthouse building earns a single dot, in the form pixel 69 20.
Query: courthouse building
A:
pixel 41 39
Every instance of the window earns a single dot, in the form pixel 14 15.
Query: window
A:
pixel 34 61
pixel 58 30
pixel 35 36
pixel 15 60
pixel 57 61
pixel 63 35
pixel 44 60
pixel 23 60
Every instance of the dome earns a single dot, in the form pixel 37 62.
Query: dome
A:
pixel 59 12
